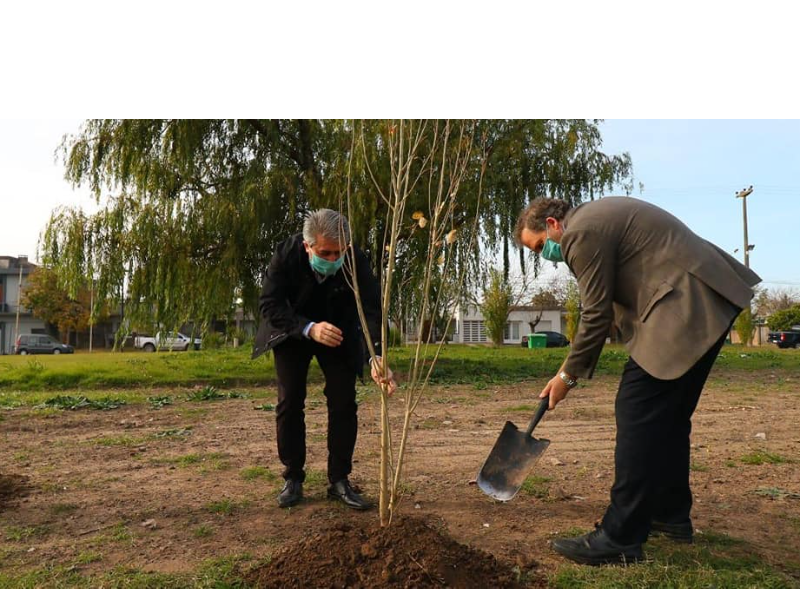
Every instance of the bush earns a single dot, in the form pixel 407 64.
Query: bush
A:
pixel 213 340
pixel 784 320
pixel 745 326
pixel 239 334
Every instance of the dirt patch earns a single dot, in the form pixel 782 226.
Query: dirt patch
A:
pixel 12 487
pixel 408 554
pixel 167 490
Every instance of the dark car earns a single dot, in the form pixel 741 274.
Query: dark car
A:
pixel 40 344
pixel 785 339
pixel 554 339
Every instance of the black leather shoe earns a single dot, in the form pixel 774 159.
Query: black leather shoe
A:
pixel 596 548
pixel 291 493
pixel 343 491
pixel 677 532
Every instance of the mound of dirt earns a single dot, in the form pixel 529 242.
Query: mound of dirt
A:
pixel 407 554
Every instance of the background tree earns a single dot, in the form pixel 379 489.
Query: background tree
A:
pixel 572 304
pixel 768 301
pixel 48 301
pixel 192 209
pixel 499 297
pixel 745 326
pixel 784 320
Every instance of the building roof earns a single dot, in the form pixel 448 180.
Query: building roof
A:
pixel 9 265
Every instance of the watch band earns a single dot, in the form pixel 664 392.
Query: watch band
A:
pixel 571 383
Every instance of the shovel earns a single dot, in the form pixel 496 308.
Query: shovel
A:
pixel 513 456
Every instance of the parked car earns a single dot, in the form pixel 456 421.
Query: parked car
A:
pixel 554 339
pixel 40 344
pixel 177 341
pixel 785 339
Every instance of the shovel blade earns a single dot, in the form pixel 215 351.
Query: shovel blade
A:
pixel 508 464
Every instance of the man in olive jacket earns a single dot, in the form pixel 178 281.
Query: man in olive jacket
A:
pixel 673 296
pixel 308 308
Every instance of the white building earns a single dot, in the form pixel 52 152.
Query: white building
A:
pixel 522 321
pixel 11 270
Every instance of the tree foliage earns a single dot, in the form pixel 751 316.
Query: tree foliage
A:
pixel 745 326
pixel 572 305
pixel 498 298
pixel 784 320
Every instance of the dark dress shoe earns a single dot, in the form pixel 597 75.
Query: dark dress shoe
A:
pixel 291 493
pixel 677 532
pixel 344 492
pixel 596 548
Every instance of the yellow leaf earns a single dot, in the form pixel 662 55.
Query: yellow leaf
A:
pixel 440 260
pixel 451 237
pixel 422 222
pixel 417 215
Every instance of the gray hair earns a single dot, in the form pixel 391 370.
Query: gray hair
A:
pixel 534 216
pixel 327 223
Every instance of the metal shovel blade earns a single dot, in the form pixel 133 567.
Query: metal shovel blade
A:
pixel 513 456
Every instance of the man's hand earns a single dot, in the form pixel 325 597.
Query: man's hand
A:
pixel 556 389
pixel 387 380
pixel 326 334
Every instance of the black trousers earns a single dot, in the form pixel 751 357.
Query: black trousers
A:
pixel 292 359
pixel 651 458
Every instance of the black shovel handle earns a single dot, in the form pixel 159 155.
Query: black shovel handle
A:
pixel 538 415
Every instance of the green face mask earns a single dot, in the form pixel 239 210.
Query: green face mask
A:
pixel 326 267
pixel 551 250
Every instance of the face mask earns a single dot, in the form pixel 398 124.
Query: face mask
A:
pixel 551 250
pixel 326 267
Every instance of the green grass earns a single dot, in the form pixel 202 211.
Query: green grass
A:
pixel 203 531
pixel 121 533
pixel 49 403
pixel 228 368
pixel 257 472
pixel 226 506
pixel 315 478
pixel 24 534
pixel 536 486
pixel 176 433
pixel 713 561
pixel 220 573
pixel 212 460
pixel 776 493
pixel 761 457
pixel 87 557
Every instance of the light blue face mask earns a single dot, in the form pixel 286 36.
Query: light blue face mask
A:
pixel 326 267
pixel 552 250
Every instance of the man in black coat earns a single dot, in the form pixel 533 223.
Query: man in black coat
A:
pixel 308 308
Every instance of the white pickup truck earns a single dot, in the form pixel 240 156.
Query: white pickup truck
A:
pixel 176 341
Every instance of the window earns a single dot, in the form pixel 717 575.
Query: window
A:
pixel 474 332
pixel 511 331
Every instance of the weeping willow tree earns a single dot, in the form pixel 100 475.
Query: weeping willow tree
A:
pixel 190 210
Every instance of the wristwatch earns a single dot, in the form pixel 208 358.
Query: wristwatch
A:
pixel 571 383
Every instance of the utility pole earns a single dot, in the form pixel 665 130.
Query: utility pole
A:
pixel 91 312
pixel 20 259
pixel 743 195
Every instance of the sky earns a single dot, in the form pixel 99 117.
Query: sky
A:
pixel 32 182
pixel 692 168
